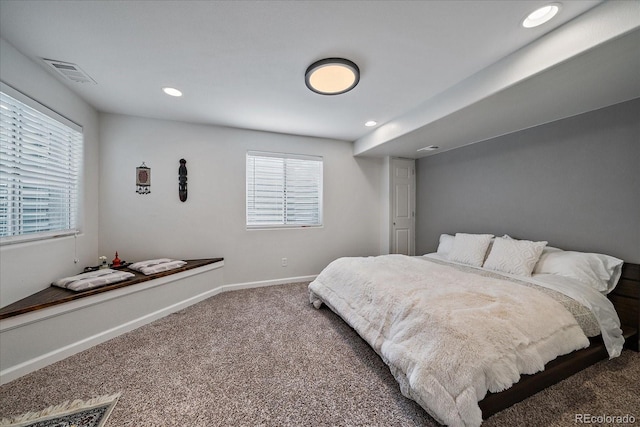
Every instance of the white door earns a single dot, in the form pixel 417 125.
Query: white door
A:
pixel 403 201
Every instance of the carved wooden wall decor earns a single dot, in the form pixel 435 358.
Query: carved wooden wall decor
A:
pixel 182 180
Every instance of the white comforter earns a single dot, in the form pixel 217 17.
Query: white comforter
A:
pixel 448 336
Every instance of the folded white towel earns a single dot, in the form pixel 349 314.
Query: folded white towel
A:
pixel 92 279
pixel 156 265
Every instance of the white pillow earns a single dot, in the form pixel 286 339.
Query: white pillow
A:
pixel 446 243
pixel 548 249
pixel 512 256
pixel 601 272
pixel 470 248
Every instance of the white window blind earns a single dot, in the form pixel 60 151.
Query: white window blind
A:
pixel 40 160
pixel 283 190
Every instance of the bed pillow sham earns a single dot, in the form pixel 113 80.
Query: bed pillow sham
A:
pixel 470 249
pixel 599 271
pixel 512 256
pixel 445 245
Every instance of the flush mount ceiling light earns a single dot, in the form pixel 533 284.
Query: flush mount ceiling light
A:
pixel 332 76
pixel 370 123
pixel 171 91
pixel 541 15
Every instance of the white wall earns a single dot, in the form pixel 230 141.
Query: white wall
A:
pixel 385 207
pixel 211 223
pixel 29 267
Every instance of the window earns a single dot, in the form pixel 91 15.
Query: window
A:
pixel 283 190
pixel 40 159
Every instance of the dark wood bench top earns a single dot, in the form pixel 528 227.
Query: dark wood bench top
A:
pixel 54 295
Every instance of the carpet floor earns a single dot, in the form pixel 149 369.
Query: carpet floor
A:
pixel 266 357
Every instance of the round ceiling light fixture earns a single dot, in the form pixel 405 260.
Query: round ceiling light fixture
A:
pixel 541 15
pixel 332 76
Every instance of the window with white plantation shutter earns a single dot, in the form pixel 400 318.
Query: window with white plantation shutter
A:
pixel 40 160
pixel 283 190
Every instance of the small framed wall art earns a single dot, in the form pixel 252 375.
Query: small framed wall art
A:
pixel 143 179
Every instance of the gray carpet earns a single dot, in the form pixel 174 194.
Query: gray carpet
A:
pixel 266 357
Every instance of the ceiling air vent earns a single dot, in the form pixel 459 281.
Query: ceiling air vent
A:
pixel 70 71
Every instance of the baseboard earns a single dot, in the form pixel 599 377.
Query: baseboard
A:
pixel 262 283
pixel 61 353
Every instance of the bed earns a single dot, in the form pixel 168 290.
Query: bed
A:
pixel 485 321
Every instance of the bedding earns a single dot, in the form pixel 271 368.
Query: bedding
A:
pixel 92 279
pixel 599 308
pixel 514 256
pixel 599 305
pixel 445 244
pixel 598 271
pixel 470 249
pixel 449 332
pixel 159 265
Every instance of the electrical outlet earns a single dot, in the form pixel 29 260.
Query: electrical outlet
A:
pixel 284 262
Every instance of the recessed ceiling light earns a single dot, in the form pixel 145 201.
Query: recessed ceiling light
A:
pixel 370 123
pixel 332 76
pixel 428 148
pixel 171 91
pixel 541 15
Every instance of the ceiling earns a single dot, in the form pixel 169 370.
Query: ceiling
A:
pixel 426 66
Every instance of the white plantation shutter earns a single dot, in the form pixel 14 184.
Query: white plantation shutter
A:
pixel 40 159
pixel 283 190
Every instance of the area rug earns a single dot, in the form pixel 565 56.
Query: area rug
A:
pixel 79 413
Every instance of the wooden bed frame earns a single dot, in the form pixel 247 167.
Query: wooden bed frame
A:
pixel 626 299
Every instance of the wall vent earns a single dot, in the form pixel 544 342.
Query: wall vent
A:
pixel 69 71
pixel 428 148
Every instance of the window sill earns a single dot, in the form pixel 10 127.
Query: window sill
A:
pixel 282 227
pixel 36 237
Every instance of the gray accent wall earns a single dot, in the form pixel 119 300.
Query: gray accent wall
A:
pixel 574 182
